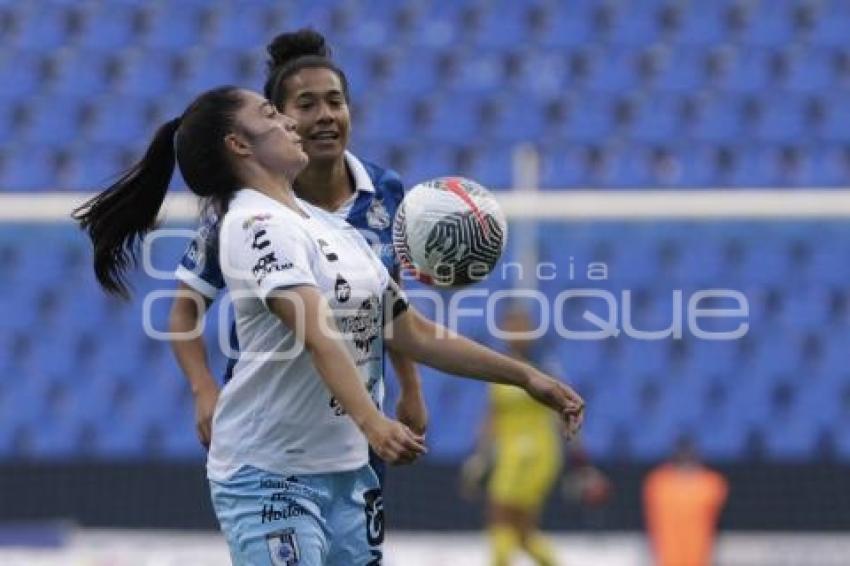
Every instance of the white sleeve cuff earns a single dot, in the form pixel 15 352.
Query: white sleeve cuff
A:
pixel 190 279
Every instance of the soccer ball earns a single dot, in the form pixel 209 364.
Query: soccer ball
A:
pixel 449 232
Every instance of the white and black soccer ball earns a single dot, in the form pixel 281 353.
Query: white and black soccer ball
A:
pixel 449 231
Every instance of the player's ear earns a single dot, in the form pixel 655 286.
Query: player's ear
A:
pixel 237 144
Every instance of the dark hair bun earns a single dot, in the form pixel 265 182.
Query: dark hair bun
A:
pixel 287 47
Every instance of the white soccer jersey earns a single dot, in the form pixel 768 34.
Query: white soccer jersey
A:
pixel 276 413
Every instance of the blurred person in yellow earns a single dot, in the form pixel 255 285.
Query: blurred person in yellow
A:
pixel 519 456
pixel 682 501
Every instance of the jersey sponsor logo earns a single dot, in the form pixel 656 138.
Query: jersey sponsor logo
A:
pixel 377 216
pixel 260 241
pixel 329 254
pixel 374 509
pixel 336 406
pixel 363 326
pixel 250 221
pixel 266 265
pixel 194 256
pixel 342 289
pixel 270 513
pixel 283 548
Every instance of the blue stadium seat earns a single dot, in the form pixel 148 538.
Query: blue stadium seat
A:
pixel 455 119
pixel 94 166
pixel 110 26
pixel 698 167
pixel 810 71
pixel 383 119
pixel 173 26
pixel 831 167
pixel 722 437
pixel 827 266
pixel 481 74
pixel 369 25
pixel 78 74
pixel 613 70
pixel 782 119
pixel 657 119
pixel 120 119
pixel 562 167
pixel 53 438
pixel 787 166
pixel 491 165
pixel 634 25
pixel 569 24
pixel 590 119
pixel 743 71
pixel 655 438
pixel 519 119
pixel 717 119
pixel 836 123
pixel 831 24
pixel 438 27
pixel 42 26
pixel 427 162
pixel 240 26
pixel 208 68
pixel 412 73
pixel 773 27
pixel 678 70
pixel 633 169
pixel 27 168
pixel 701 23
pixel 145 74
pixel 21 73
pixel 709 356
pixel 807 309
pixel 47 127
pixel 357 65
pixel 791 437
pixel 541 72
pixel 504 23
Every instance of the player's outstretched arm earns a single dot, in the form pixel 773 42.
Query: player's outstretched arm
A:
pixel 436 346
pixel 186 312
pixel 306 311
pixel 410 409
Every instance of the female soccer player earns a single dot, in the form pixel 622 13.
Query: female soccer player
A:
pixel 288 462
pixel 304 83
pixel 520 451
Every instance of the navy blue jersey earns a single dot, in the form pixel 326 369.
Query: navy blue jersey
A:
pixel 378 193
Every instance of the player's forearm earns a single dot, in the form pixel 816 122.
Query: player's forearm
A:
pixel 405 370
pixel 317 331
pixel 337 370
pixel 191 352
pixel 442 349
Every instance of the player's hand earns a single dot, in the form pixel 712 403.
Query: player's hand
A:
pixel 205 400
pixel 411 411
pixel 393 442
pixel 559 397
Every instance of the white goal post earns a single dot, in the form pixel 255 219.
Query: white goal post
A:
pixel 565 204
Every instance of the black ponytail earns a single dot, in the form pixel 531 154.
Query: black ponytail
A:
pixel 289 53
pixel 118 218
